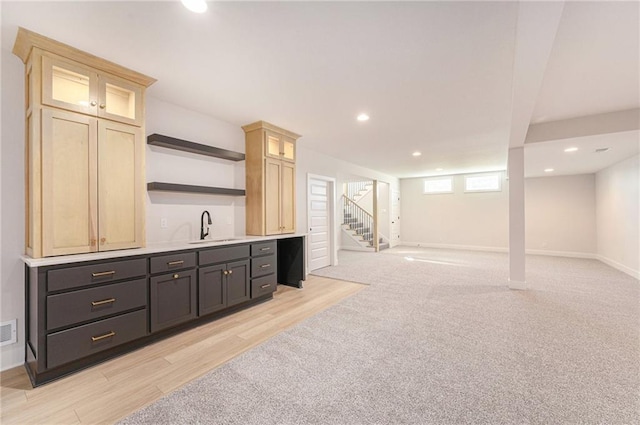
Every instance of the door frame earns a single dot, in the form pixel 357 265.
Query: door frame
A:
pixel 331 210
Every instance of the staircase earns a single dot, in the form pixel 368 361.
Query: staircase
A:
pixel 358 224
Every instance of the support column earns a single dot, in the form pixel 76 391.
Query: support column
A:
pixel 376 237
pixel 516 219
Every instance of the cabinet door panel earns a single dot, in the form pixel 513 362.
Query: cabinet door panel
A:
pixel 288 147
pixel 238 284
pixel 69 197
pixel 120 186
pixel 212 291
pixel 120 100
pixel 272 144
pixel 287 194
pixel 272 197
pixel 173 299
pixel 69 86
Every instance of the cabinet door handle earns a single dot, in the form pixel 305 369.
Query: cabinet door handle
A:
pixel 102 106
pixel 100 274
pixel 107 301
pixel 102 241
pixel 225 272
pixel 175 276
pixel 265 286
pixel 175 263
pixel 107 335
pixel 264 266
pixel 94 103
pixel 265 249
pixel 230 271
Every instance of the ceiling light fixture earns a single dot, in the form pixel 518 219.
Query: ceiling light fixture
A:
pixel 363 117
pixel 197 6
pixel 416 153
pixel 548 170
pixel 573 149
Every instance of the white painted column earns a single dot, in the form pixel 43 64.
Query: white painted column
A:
pixel 516 219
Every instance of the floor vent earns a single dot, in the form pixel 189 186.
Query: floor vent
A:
pixel 8 334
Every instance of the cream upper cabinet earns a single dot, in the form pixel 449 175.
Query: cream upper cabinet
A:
pixel 84 157
pixel 72 86
pixel 270 179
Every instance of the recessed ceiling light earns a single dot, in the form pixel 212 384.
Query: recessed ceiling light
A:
pixel 197 6
pixel 573 149
pixel 548 170
pixel 363 117
pixel 416 153
pixel 438 169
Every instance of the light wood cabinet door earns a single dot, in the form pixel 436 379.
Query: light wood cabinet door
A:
pixel 120 100
pixel 272 196
pixel 287 198
pixel 69 182
pixel 120 184
pixel 69 86
pixel 279 146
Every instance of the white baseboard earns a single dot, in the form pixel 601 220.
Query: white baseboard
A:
pixel 453 246
pixel 628 270
pixel 570 254
pixel 518 285
pixel 356 248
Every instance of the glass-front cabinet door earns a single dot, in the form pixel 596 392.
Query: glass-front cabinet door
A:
pixel 71 86
pixel 288 147
pixel 279 146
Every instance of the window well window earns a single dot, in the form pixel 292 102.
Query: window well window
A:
pixel 439 185
pixel 483 183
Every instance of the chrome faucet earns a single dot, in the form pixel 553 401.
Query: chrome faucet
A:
pixel 202 232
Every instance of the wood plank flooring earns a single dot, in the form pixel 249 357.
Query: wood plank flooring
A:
pixel 112 390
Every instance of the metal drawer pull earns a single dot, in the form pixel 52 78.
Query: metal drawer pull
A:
pixel 107 335
pixel 265 286
pixel 264 266
pixel 265 249
pixel 99 274
pixel 107 301
pixel 175 263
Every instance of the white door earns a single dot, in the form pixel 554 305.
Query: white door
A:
pixel 395 218
pixel 319 223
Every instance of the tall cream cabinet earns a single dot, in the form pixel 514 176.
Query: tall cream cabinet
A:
pixel 84 150
pixel 270 179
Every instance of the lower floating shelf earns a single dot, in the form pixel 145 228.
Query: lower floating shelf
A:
pixel 173 187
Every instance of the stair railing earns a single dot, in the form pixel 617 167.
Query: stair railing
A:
pixel 354 188
pixel 358 219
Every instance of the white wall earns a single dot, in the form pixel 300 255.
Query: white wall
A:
pixel 560 215
pixel 456 220
pixel 618 215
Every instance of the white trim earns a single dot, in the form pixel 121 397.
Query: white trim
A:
pixel 459 247
pixel 498 175
pixel 332 196
pixel 355 248
pixel 518 285
pixel 628 270
pixel 570 254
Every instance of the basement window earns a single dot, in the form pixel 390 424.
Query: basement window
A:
pixel 483 183
pixel 439 185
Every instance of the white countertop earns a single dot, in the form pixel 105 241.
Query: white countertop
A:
pixel 152 249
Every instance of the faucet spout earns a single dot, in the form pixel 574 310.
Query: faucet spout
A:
pixel 203 234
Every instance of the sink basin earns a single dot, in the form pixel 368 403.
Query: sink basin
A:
pixel 215 240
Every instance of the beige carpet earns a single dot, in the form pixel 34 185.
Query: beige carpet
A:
pixel 438 338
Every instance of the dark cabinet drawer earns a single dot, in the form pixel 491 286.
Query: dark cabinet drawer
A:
pixel 74 277
pixel 263 285
pixel 82 341
pixel 263 248
pixel 94 303
pixel 167 263
pixel 172 299
pixel 223 255
pixel 263 265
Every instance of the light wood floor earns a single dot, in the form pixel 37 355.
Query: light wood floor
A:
pixel 112 390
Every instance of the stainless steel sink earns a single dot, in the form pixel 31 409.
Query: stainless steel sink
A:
pixel 215 240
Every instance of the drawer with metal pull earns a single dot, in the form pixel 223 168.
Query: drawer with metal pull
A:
pixel 223 255
pixel 73 277
pixel 94 303
pixel 263 285
pixel 263 248
pixel 75 343
pixel 263 265
pixel 167 263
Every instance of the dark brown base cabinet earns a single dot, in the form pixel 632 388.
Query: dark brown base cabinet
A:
pixel 79 314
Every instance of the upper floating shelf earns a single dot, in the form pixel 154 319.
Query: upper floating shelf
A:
pixel 186 146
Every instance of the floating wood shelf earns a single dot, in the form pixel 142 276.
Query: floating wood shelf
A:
pixel 186 146
pixel 173 187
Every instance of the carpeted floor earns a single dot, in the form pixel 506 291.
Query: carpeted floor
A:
pixel 438 338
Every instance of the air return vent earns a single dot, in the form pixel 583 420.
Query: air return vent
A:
pixel 8 334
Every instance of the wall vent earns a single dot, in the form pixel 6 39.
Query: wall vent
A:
pixel 8 334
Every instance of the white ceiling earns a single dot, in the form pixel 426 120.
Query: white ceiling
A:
pixel 434 76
